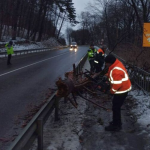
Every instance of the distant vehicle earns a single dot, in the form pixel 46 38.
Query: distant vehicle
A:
pixel 73 46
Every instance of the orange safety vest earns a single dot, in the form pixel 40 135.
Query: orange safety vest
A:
pixel 100 51
pixel 119 79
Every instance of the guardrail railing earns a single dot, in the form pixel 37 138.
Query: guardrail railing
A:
pixel 78 68
pixel 34 129
pixel 28 51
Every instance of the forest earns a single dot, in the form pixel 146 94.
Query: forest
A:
pixel 35 20
pixel 119 25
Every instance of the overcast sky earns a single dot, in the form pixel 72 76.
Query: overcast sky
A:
pixel 80 5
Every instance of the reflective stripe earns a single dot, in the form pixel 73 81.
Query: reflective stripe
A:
pixel 102 54
pixel 91 53
pixel 119 92
pixel 115 82
pixel 114 90
pixel 118 82
pixel 96 61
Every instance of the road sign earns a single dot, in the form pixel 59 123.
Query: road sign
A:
pixel 146 35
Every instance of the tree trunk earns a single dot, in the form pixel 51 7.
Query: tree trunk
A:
pixel 16 14
pixel 61 25
pixel 42 24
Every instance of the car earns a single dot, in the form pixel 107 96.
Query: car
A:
pixel 73 46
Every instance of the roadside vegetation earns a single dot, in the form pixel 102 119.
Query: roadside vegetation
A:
pixel 118 24
pixel 35 20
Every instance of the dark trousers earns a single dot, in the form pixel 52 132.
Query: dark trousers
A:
pixel 8 59
pixel 92 68
pixel 98 67
pixel 117 102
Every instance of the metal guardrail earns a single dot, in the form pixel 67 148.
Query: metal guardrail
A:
pixel 78 68
pixel 138 76
pixel 28 51
pixel 34 129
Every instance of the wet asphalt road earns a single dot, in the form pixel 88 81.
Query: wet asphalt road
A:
pixel 27 81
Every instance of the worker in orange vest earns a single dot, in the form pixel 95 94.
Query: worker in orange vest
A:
pixel 120 85
pixel 99 59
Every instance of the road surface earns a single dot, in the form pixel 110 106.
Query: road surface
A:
pixel 28 79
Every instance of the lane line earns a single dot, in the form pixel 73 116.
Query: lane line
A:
pixel 30 65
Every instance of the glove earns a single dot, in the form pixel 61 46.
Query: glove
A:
pixel 103 86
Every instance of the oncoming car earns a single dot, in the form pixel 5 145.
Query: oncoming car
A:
pixel 73 46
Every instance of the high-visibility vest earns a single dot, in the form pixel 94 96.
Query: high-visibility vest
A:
pixel 119 79
pixel 9 49
pixel 91 53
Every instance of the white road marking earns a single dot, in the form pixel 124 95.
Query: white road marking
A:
pixel 30 65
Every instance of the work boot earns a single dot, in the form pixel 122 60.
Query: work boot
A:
pixel 113 127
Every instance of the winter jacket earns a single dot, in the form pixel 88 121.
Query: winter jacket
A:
pixel 9 49
pixel 91 53
pixel 99 58
pixel 101 51
pixel 119 79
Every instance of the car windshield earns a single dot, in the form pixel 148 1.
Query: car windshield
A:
pixel 73 43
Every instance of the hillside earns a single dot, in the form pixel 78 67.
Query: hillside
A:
pixel 22 44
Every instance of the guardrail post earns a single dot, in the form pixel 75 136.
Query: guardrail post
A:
pixel 74 70
pixel 40 133
pixel 80 66
pixel 56 108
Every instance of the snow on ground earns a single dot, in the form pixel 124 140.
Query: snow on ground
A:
pixel 52 42
pixel 65 134
pixel 143 108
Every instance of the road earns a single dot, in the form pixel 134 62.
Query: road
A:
pixel 28 79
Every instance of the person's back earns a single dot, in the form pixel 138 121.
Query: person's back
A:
pixel 10 51
pixel 9 48
pixel 91 52
pixel 100 56
pixel 99 59
pixel 91 55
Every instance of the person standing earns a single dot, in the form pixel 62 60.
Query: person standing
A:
pixel 91 54
pixel 120 85
pixel 99 59
pixel 10 51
